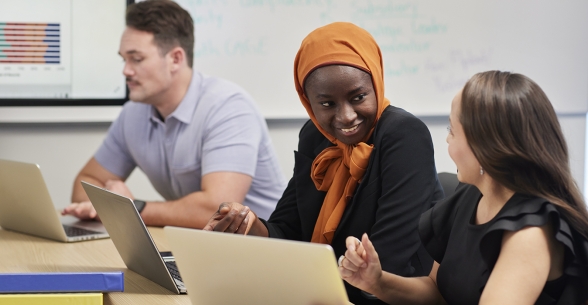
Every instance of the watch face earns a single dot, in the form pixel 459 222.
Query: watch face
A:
pixel 139 204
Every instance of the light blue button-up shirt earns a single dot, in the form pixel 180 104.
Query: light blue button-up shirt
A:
pixel 217 127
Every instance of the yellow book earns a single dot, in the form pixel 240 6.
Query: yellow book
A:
pixel 52 299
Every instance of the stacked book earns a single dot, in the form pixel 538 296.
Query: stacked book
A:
pixel 56 288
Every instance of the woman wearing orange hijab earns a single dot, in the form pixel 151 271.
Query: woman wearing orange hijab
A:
pixel 362 166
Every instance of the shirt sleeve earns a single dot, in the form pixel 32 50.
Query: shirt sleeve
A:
pixel 232 137
pixel 285 222
pixel 408 188
pixel 114 154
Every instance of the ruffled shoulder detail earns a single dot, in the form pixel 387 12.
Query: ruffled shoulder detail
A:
pixel 522 211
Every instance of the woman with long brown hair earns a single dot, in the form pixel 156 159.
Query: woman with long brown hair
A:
pixel 516 230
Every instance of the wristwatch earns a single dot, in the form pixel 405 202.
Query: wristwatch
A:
pixel 139 204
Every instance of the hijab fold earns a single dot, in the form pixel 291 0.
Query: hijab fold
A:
pixel 338 169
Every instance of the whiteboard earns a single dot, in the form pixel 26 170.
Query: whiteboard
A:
pixel 430 47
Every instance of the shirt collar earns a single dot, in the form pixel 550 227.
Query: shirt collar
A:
pixel 185 110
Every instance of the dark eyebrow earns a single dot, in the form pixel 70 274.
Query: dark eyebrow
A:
pixel 130 52
pixel 320 95
pixel 352 92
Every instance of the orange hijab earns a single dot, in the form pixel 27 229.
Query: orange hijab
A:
pixel 338 169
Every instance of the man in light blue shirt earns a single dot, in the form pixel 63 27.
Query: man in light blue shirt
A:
pixel 200 140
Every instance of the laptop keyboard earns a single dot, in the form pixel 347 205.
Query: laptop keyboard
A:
pixel 173 270
pixel 75 231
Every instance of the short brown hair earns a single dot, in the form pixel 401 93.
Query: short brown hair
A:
pixel 514 133
pixel 170 24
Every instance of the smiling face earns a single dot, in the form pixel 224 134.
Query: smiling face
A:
pixel 148 73
pixel 343 101
pixel 468 167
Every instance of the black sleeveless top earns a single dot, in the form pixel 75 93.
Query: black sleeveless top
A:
pixel 467 252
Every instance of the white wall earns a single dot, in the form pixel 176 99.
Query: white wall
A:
pixel 63 148
pixel 429 48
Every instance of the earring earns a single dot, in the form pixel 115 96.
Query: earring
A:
pixel 481 171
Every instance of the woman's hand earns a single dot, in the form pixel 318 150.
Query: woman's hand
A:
pixel 231 217
pixel 360 266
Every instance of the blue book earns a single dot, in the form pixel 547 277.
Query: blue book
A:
pixel 62 282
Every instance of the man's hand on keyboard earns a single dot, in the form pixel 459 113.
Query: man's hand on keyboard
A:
pixel 81 210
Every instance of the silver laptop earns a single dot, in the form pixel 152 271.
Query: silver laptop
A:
pixel 132 239
pixel 221 268
pixel 26 207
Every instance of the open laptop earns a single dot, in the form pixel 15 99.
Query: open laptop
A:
pixel 132 239
pixel 221 268
pixel 26 207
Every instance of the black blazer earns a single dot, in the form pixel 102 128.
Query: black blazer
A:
pixel 399 185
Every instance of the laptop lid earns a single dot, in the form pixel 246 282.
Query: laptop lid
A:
pixel 130 236
pixel 26 206
pixel 221 268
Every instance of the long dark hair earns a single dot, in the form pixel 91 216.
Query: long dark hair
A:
pixel 514 133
